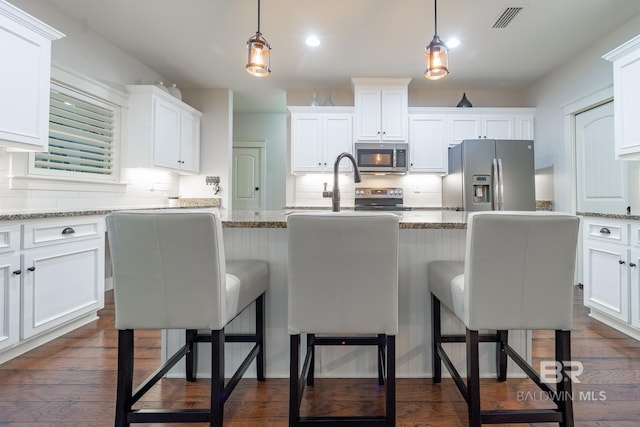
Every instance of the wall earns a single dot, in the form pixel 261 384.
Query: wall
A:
pixel 420 190
pixel 216 106
pixel 271 127
pixel 86 52
pixel 581 76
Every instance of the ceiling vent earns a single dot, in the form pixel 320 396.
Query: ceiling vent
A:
pixel 508 15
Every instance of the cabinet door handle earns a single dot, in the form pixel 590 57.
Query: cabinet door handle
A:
pixel 31 268
pixel 605 230
pixel 621 262
pixel 17 272
pixel 632 264
pixel 68 230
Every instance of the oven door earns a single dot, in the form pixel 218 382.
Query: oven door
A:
pixel 376 157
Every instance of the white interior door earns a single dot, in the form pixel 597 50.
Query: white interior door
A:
pixel 248 178
pixel 602 181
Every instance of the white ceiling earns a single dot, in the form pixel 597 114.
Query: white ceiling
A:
pixel 201 43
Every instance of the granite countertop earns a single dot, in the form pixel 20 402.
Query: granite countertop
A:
pixel 416 219
pixel 610 216
pixel 24 214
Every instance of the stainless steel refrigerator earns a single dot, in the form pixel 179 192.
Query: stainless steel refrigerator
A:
pixel 490 174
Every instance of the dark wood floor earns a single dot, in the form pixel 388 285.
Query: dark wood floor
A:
pixel 71 382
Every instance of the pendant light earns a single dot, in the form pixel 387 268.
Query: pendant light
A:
pixel 259 53
pixel 436 53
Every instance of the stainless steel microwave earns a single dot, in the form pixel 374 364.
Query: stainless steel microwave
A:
pixel 382 157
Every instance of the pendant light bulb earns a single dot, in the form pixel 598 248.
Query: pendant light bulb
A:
pixel 436 53
pixel 259 53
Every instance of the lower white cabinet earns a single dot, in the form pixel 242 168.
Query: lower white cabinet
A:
pixel 9 300
pixel 611 262
pixel 51 279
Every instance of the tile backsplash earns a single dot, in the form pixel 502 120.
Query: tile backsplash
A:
pixel 420 190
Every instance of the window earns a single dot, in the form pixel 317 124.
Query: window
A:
pixel 82 138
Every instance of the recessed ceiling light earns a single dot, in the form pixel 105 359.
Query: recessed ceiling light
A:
pixel 453 43
pixel 312 41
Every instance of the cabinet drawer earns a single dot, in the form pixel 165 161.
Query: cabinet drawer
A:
pixel 53 233
pixel 9 238
pixel 635 235
pixel 607 231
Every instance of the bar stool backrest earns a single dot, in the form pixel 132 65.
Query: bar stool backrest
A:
pixel 343 273
pixel 168 269
pixel 519 270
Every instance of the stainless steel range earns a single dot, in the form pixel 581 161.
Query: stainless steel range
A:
pixel 379 199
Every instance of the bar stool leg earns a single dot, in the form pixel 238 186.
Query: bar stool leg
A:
pixel 191 359
pixel 217 377
pixel 125 377
pixel 501 355
pixel 391 381
pixel 294 380
pixel 382 339
pixel 311 348
pixel 564 388
pixel 436 333
pixel 260 333
pixel 473 379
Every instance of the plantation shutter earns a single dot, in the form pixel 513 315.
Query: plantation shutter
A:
pixel 81 137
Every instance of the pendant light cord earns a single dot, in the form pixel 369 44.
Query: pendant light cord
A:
pixel 435 16
pixel 258 15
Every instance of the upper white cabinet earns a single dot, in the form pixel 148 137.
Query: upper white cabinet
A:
pixel 25 43
pixel 626 92
pixel 492 124
pixel 163 131
pixel 318 136
pixel 381 109
pixel 433 130
pixel 428 143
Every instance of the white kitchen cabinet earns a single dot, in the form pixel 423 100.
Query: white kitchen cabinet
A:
pixel 509 124
pixel 626 92
pixel 25 43
pixel 432 130
pixel 52 283
pixel 164 132
pixel 318 136
pixel 9 285
pixel 428 143
pixel 381 109
pixel 611 256
pixel 634 274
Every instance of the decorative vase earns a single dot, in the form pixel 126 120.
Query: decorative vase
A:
pixel 328 101
pixel 314 101
pixel 173 90
pixel 160 85
pixel 464 102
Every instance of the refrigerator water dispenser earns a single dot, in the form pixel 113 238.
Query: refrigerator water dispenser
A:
pixel 481 189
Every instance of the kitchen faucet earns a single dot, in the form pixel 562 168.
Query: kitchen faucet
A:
pixel 335 194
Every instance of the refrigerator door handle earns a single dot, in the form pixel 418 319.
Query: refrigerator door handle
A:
pixel 495 179
pixel 501 186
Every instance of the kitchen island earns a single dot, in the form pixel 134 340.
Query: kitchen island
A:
pixel 425 235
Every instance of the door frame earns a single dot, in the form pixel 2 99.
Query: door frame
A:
pixel 571 110
pixel 261 144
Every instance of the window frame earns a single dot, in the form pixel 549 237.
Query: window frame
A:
pixel 114 176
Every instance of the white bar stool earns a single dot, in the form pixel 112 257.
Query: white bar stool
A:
pixel 343 282
pixel 169 272
pixel 518 274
